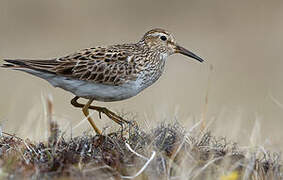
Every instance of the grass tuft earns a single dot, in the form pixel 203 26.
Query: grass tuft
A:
pixel 167 151
pixel 164 152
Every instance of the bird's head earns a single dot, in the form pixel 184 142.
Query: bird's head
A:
pixel 163 41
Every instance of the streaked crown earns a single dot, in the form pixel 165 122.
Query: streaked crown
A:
pixel 160 39
pixel 164 42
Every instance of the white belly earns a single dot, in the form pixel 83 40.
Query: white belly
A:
pixel 85 89
pixel 99 92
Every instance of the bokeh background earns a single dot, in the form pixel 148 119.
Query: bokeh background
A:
pixel 241 39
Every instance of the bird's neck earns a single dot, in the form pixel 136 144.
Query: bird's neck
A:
pixel 153 67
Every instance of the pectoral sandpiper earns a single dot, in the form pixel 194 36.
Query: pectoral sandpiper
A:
pixel 110 73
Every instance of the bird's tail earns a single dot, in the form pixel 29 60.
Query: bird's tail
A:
pixel 17 63
pixel 25 64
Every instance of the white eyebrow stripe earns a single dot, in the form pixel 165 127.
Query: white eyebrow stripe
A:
pixel 159 34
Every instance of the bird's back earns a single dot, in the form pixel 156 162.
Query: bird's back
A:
pixel 105 73
pixel 110 65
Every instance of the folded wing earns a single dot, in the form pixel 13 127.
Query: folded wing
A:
pixel 106 65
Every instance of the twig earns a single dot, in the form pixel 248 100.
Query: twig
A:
pixel 12 135
pixel 142 169
pixel 30 148
pixel 137 154
pixel 205 166
pixel 204 113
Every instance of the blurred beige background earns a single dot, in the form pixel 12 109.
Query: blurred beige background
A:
pixel 241 39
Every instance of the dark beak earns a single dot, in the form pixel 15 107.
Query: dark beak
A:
pixel 181 50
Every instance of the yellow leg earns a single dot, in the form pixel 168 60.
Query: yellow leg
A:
pixel 86 113
pixel 103 110
pixel 109 114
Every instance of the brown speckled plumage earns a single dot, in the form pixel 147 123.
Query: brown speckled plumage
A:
pixel 109 73
pixel 111 65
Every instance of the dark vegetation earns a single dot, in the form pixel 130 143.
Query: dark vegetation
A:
pixel 164 152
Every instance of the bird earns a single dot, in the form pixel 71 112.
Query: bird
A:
pixel 106 73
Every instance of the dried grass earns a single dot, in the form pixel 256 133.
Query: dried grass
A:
pixel 164 152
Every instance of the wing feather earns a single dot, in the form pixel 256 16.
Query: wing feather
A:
pixel 107 65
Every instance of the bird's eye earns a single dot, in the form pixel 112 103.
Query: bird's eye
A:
pixel 163 38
